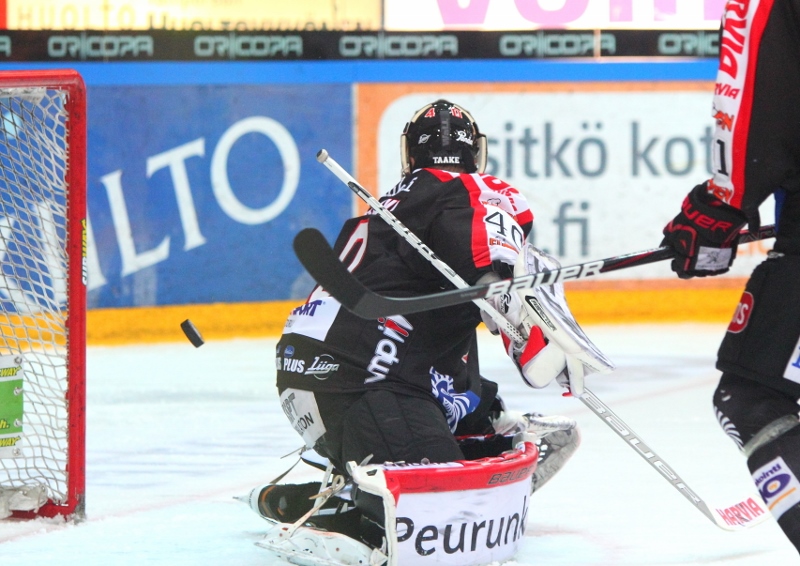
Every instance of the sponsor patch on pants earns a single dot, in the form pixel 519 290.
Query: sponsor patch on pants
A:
pixel 792 371
pixel 301 409
pixel 778 486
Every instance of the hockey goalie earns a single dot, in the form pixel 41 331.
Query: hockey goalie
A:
pixel 421 460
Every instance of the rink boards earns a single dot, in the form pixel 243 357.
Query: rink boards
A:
pixel 200 174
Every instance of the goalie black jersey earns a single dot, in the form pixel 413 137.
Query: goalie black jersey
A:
pixel 475 223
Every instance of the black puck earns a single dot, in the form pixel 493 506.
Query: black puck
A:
pixel 192 333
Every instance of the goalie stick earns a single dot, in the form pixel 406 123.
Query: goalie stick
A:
pixel 331 274
pixel 416 243
pixel 743 514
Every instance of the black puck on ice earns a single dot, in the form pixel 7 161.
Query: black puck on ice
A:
pixel 192 333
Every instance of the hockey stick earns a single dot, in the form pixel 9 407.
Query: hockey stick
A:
pixel 743 514
pixel 411 238
pixel 316 255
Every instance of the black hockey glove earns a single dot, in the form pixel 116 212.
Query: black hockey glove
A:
pixel 703 235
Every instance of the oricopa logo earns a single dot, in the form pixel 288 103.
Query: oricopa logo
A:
pixel 742 315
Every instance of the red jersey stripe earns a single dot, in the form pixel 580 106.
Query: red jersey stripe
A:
pixel 480 241
pixel 742 124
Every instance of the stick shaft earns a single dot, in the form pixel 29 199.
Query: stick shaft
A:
pixel 589 399
pixel 454 278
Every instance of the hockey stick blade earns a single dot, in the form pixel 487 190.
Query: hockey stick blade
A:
pixel 319 259
pixel 743 514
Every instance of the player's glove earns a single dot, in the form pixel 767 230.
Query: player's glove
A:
pixel 703 235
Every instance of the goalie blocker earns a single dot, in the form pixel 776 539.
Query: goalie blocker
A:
pixel 556 347
pixel 463 513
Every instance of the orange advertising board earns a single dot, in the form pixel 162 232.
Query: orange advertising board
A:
pixel 604 165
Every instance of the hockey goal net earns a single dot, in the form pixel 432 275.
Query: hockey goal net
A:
pixel 42 293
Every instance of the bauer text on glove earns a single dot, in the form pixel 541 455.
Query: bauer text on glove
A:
pixel 703 235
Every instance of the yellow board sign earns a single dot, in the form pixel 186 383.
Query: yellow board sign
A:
pixel 194 14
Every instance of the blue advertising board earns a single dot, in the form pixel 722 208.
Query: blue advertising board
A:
pixel 195 192
pixel 201 173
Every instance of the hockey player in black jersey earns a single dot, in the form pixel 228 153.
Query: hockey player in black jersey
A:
pixel 407 388
pixel 756 154
pixel 402 388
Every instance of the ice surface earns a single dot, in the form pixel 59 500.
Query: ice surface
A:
pixel 175 432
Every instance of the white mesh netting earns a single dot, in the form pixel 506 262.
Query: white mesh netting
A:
pixel 33 291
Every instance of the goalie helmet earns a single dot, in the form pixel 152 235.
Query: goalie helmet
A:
pixel 441 134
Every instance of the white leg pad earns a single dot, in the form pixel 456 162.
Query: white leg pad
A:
pixel 311 547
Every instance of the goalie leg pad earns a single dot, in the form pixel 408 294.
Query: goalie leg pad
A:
pixel 311 547
pixel 554 451
pixel 557 437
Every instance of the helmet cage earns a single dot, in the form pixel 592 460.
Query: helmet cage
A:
pixel 434 144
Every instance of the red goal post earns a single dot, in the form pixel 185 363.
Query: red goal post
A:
pixel 42 293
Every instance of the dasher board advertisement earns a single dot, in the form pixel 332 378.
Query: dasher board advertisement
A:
pixel 196 192
pixel 604 166
pixel 487 15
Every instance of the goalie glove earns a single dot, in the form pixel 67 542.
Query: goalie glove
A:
pixel 556 347
pixel 703 235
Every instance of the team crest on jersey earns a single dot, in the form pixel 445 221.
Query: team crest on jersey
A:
pixel 396 327
pixel 456 405
pixel 424 138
